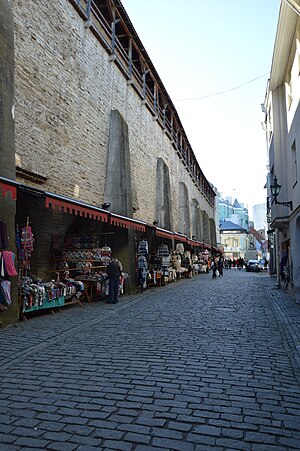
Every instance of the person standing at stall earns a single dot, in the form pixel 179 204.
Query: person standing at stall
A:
pixel 114 273
pixel 214 268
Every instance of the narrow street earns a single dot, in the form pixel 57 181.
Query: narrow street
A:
pixel 199 364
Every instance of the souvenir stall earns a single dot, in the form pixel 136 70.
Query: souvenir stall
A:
pixel 203 261
pixel 34 293
pixel 169 260
pixel 7 269
pixel 64 249
pixel 79 262
pixel 187 264
pixel 198 256
pixel 163 255
pixel 153 265
pixel 175 256
pixel 181 260
pixel 82 258
pixel 84 255
pixel 161 269
pixel 142 264
pixel 195 263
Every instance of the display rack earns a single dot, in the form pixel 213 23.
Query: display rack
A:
pixel 89 275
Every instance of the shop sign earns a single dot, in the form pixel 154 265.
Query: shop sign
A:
pixel 5 189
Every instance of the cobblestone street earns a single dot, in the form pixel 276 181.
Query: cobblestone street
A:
pixel 199 364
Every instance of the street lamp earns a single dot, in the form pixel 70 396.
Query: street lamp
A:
pixel 275 190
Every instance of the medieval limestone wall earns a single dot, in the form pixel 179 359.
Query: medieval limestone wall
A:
pixel 7 145
pixel 66 88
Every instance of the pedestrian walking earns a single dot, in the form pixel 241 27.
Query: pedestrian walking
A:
pixel 114 273
pixel 214 269
pixel 220 266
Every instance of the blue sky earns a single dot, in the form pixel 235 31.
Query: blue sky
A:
pixel 202 47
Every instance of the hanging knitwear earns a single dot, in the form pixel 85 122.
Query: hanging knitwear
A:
pixel 5 292
pixel 9 258
pixel 180 248
pixel 142 262
pixel 143 248
pixel 3 236
pixel 163 250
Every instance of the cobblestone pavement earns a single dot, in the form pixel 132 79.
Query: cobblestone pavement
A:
pixel 199 364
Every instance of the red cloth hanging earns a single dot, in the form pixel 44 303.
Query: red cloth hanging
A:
pixel 9 265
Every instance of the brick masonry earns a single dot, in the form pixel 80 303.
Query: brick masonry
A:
pixel 66 87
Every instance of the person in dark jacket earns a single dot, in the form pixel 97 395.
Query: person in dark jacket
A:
pixel 214 268
pixel 114 272
pixel 220 266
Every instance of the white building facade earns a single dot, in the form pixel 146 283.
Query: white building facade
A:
pixel 259 212
pixel 282 124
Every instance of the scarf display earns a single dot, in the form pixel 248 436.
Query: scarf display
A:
pixel 7 267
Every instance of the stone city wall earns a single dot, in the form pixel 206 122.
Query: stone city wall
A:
pixel 66 87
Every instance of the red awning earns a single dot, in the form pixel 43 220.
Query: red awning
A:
pixel 89 211
pixel 67 206
pixel 180 237
pixel 128 223
pixel 164 234
pixel 5 188
pixel 193 243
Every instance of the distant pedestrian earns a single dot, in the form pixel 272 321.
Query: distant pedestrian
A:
pixel 114 273
pixel 214 269
pixel 240 263
pixel 220 266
